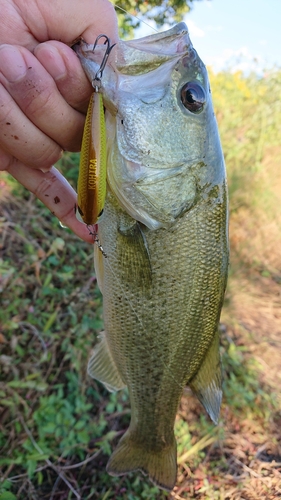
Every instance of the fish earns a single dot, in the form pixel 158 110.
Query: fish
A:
pixel 164 230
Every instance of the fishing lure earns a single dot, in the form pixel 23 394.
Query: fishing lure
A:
pixel 91 187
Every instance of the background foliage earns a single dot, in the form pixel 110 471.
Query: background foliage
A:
pixel 161 11
pixel 57 427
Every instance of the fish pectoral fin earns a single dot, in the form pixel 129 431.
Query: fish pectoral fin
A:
pixel 102 367
pixel 134 258
pixel 160 465
pixel 208 380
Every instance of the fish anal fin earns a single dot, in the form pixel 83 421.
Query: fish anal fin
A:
pixel 208 381
pixel 102 367
pixel 160 466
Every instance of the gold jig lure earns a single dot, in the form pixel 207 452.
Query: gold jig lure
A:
pixel 92 169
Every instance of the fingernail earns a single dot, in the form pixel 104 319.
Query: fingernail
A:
pixel 12 64
pixel 52 60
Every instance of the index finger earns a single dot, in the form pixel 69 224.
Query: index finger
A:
pixel 56 194
pixel 68 20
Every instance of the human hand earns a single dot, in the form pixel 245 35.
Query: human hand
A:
pixel 44 92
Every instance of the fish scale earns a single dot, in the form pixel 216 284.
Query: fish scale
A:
pixel 164 233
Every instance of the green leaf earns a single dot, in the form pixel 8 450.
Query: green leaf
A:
pixel 51 320
pixel 28 384
pixel 6 402
pixel 40 478
pixel 7 495
pixel 38 456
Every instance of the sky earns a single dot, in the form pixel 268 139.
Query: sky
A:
pixel 235 34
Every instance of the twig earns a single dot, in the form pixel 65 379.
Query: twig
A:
pixel 25 325
pixel 177 497
pixel 20 476
pixel 55 487
pixel 9 469
pixel 48 462
pixel 246 468
pixel 117 414
pixel 11 229
pixel 80 464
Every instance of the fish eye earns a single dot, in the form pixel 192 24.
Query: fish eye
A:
pixel 193 97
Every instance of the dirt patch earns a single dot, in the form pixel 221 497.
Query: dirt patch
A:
pixel 255 314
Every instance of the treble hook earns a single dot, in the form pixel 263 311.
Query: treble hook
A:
pixel 99 73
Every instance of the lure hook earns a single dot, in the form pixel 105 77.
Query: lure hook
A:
pixel 99 73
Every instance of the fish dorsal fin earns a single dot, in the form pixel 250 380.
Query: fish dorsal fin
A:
pixel 207 382
pixel 102 367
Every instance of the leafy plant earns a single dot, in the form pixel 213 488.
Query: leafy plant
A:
pixel 131 13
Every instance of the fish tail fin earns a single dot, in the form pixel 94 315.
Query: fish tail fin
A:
pixel 160 466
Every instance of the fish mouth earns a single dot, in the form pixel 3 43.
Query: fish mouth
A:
pixel 152 43
pixel 144 54
pixel 138 55
pixel 180 30
pixel 135 58
pixel 86 50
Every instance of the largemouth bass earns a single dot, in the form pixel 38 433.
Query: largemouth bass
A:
pixel 164 232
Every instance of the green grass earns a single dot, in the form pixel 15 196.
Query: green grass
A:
pixel 58 427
